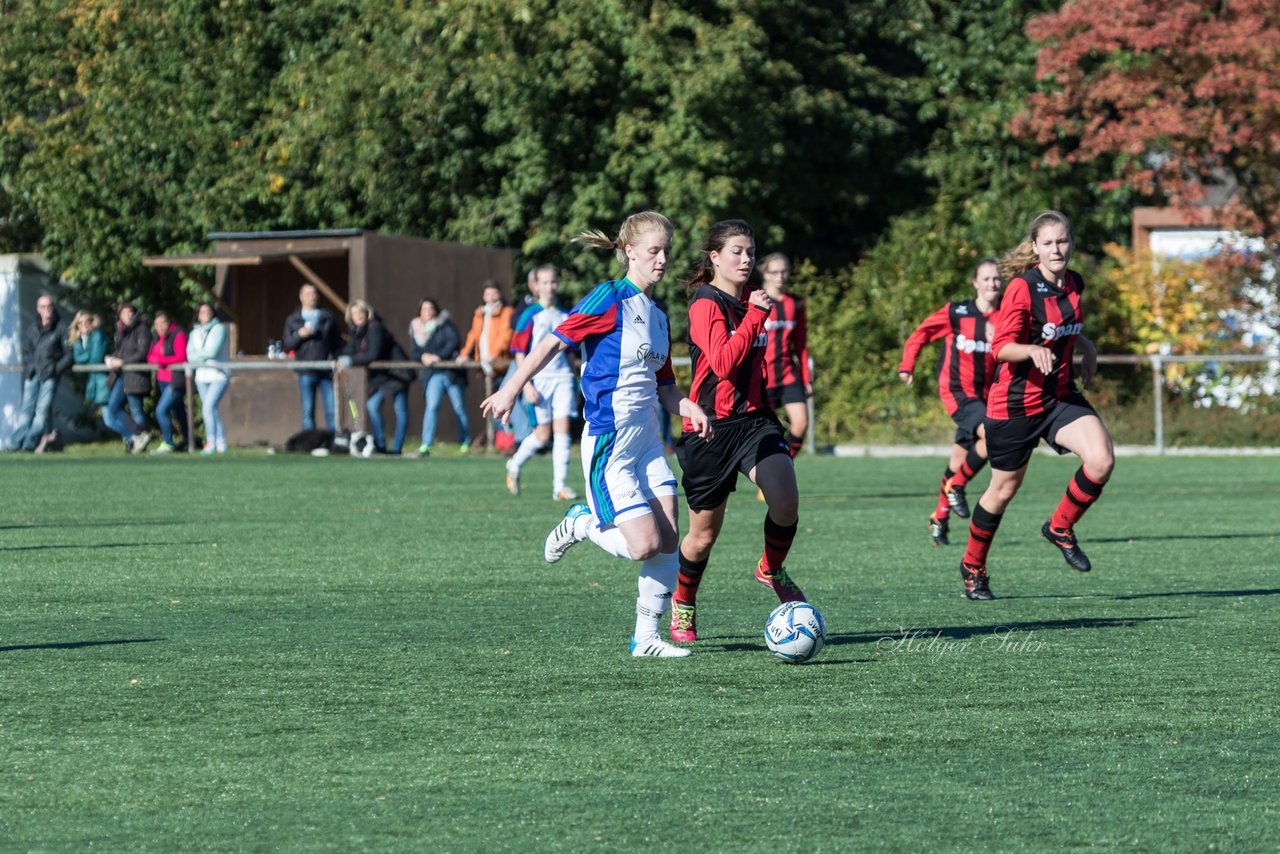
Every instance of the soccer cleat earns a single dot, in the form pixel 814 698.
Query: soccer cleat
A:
pixel 1066 543
pixel 424 450
pixel 976 585
pixel 140 442
pixel 684 622
pixel 938 529
pixel 562 536
pixel 656 647
pixel 564 495
pixel 780 583
pixel 956 500
pixel 163 448
pixel 513 480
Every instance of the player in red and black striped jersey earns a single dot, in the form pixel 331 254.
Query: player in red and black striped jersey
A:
pixel 727 347
pixel 966 372
pixel 788 380
pixel 1039 327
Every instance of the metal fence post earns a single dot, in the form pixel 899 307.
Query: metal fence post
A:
pixel 1157 382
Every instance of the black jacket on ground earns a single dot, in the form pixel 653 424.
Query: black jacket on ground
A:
pixel 373 343
pixel 45 351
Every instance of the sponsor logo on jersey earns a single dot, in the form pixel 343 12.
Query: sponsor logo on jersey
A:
pixel 968 345
pixel 779 324
pixel 645 353
pixel 1052 332
pixel 638 319
pixel 962 309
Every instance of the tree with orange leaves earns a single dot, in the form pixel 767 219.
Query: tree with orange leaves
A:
pixel 1185 93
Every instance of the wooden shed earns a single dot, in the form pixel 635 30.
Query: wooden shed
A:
pixel 257 276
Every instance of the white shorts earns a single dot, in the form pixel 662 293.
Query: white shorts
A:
pixel 625 469
pixel 557 398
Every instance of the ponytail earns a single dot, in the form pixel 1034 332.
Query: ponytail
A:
pixel 632 227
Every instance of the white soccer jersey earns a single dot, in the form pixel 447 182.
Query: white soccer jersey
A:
pixel 534 324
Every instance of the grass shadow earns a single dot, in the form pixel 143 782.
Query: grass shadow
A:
pixel 1269 591
pixel 48 546
pixel 1162 537
pixel 77 644
pixel 967 632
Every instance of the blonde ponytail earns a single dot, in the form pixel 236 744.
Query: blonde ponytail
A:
pixel 632 227
pixel 1018 260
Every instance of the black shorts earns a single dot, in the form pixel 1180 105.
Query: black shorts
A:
pixel 781 395
pixel 1011 443
pixel 710 469
pixel 968 418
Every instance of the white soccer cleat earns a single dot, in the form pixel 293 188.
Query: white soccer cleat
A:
pixel 563 536
pixel 656 647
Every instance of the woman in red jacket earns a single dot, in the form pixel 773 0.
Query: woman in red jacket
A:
pixel 727 342
pixel 966 373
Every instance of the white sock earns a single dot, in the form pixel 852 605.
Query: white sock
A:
pixel 610 539
pixel 560 446
pixel 530 446
pixel 656 583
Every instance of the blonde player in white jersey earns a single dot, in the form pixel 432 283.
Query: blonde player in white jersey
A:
pixel 631 490
pixel 551 393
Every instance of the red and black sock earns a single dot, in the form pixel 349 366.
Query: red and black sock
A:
pixel 688 579
pixel 1082 492
pixel 777 543
pixel 795 443
pixel 982 530
pixel 973 463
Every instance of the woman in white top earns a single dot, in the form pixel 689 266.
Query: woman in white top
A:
pixel 208 343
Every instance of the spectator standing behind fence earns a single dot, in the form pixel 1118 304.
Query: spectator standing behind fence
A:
pixel 208 343
pixel 89 346
pixel 490 335
pixel 369 341
pixel 133 339
pixel 433 338
pixel 169 347
pixel 311 334
pixel 45 358
pixel 488 343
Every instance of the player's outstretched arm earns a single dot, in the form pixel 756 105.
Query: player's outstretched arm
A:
pixel 501 402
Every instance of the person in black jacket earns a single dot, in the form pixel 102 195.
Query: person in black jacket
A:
pixel 45 358
pixel 133 340
pixel 369 341
pixel 434 339
pixel 312 335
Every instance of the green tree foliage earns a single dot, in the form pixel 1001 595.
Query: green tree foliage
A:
pixel 137 128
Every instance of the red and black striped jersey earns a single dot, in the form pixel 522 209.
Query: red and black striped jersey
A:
pixel 967 368
pixel 726 345
pixel 787 356
pixel 1035 311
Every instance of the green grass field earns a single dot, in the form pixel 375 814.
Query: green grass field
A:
pixel 271 653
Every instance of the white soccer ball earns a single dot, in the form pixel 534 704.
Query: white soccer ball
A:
pixel 795 632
